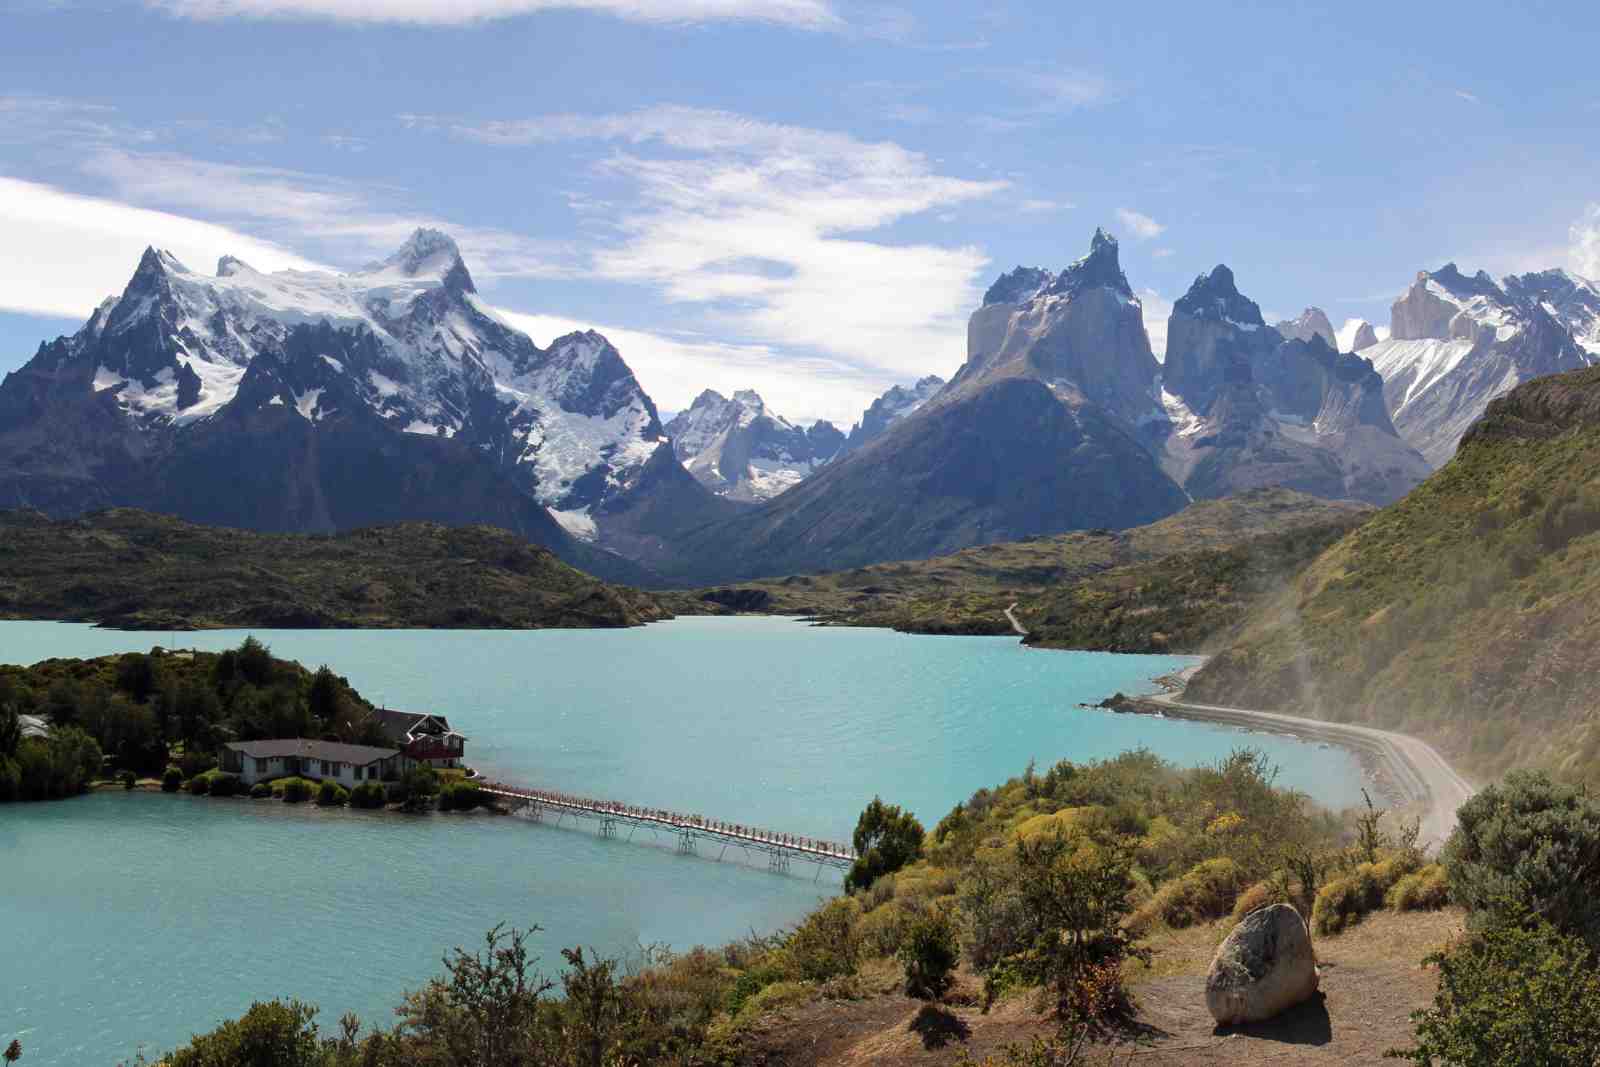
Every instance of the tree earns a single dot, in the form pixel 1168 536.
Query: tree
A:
pixel 13 1051
pixel 1074 897
pixel 138 675
pixel 929 953
pixel 1519 992
pixel 886 839
pixel 485 1010
pixel 274 1034
pixel 1529 842
pixel 596 1009
pixel 254 662
pixel 10 731
pixel 326 696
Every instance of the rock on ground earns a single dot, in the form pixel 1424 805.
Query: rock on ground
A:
pixel 1263 967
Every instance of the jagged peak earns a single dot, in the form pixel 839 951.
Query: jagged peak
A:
pixel 1100 268
pixel 1015 286
pixel 750 399
pixel 708 398
pixel 228 266
pixel 158 261
pixel 431 253
pixel 1215 295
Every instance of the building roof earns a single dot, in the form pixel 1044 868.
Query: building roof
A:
pixel 334 751
pixel 398 725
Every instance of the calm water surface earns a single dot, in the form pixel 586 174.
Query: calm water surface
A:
pixel 137 919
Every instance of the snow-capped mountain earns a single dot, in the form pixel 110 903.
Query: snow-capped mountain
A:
pixel 1312 322
pixel 403 350
pixel 738 449
pixel 1245 407
pixel 1572 301
pixel 891 407
pixel 1456 342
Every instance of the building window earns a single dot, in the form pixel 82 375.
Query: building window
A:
pixel 358 774
pixel 261 766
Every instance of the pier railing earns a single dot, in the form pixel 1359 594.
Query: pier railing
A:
pixel 689 831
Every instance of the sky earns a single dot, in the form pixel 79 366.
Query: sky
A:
pixel 805 197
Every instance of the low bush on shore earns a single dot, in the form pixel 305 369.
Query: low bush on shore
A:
pixel 294 790
pixel 331 794
pixel 369 795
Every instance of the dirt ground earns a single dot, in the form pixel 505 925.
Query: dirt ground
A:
pixel 1372 980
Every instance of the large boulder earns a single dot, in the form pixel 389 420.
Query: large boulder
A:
pixel 1265 966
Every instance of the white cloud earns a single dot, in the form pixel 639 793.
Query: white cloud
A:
pixel 1143 227
pixel 1584 251
pixel 1062 90
pixel 67 252
pixel 1470 98
pixel 352 222
pixel 1162 253
pixel 804 14
pixel 1346 334
pixel 1156 310
pixel 1044 207
pixel 763 226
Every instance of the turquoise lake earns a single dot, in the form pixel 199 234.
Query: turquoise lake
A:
pixel 131 921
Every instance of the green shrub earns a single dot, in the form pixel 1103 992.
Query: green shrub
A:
pixel 199 785
pixel 128 779
pixel 460 796
pixel 1343 901
pixel 274 1034
pixel 1533 842
pixel 171 780
pixel 260 790
pixel 1258 896
pixel 224 785
pixel 1208 891
pixel 929 954
pixel 1518 992
pixel 368 795
pixel 293 790
pixel 825 945
pixel 331 794
pixel 1425 890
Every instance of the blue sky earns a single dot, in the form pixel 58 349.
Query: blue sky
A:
pixel 803 196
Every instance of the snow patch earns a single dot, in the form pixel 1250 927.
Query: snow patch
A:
pixel 577 522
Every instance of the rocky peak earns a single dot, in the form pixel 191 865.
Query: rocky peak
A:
pixel 751 400
pixel 1015 286
pixel 1365 337
pixel 1101 268
pixel 1214 296
pixel 895 404
pixel 228 266
pixel 1312 322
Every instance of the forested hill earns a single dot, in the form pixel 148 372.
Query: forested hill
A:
pixel 1468 613
pixel 136 570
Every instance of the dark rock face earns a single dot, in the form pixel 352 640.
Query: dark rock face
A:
pixel 1365 337
pixel 319 402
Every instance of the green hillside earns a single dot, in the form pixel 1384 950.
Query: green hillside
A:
pixel 1158 586
pixel 136 570
pixel 1468 613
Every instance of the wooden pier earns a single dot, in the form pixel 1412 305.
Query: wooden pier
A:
pixel 689 832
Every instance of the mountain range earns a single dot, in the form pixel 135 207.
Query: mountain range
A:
pixel 303 401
